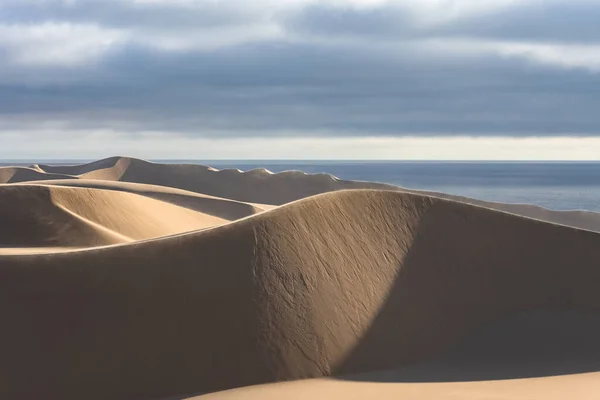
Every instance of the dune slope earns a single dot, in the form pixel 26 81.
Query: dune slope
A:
pixel 47 216
pixel 340 283
pixel 30 218
pixel 24 174
pixel 216 206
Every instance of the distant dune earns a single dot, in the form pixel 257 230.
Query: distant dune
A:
pixel 23 174
pixel 181 280
pixel 255 186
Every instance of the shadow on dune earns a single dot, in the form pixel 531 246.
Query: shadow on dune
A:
pixel 529 344
pixel 470 305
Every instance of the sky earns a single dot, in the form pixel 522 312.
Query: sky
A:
pixel 300 79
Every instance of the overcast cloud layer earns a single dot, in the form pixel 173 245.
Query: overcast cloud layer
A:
pixel 297 68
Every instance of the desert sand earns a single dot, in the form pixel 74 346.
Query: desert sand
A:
pixel 581 386
pixel 126 279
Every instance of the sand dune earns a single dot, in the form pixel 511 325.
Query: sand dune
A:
pixel 343 284
pixel 109 168
pixel 47 215
pixel 224 208
pixel 30 218
pixel 576 218
pixel 258 187
pixel 23 174
pixel 127 279
pixel 581 387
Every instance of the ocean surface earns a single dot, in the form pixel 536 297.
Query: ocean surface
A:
pixel 554 185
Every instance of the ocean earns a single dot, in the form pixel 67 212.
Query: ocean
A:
pixel 553 185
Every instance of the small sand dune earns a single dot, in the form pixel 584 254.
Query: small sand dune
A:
pixel 216 206
pixel 46 215
pixel 108 169
pixel 24 174
pixel 340 284
pixel 31 218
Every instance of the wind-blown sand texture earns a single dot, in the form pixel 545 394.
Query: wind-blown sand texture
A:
pixel 125 279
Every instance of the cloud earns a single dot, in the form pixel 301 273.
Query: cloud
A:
pixel 301 68
pixel 270 89
pixel 529 20
pixel 56 43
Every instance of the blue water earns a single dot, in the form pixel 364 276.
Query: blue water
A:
pixel 554 185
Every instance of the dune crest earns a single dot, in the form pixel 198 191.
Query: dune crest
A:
pixel 109 168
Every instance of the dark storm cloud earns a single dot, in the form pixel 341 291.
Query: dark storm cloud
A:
pixel 304 82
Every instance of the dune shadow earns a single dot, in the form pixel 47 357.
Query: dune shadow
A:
pixel 485 296
pixel 533 343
